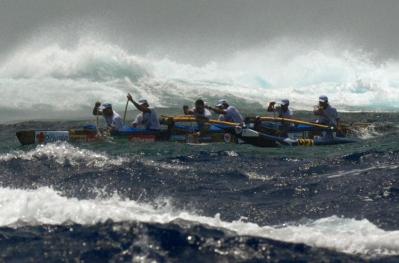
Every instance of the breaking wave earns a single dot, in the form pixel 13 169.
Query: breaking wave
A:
pixel 64 153
pixel 58 78
pixel 46 206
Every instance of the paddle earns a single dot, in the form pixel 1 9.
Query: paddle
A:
pixel 188 118
pixel 97 123
pixel 296 122
pixel 191 118
pixel 124 115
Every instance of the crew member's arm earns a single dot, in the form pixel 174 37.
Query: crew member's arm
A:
pixel 96 111
pixel 116 124
pixel 187 111
pixel 138 106
pixel 270 108
pixel 216 110
pixel 318 111
pixel 206 116
pixel 137 121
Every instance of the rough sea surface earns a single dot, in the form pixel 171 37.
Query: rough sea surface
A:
pixel 162 202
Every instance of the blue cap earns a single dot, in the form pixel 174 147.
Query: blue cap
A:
pixel 105 106
pixel 285 102
pixel 323 98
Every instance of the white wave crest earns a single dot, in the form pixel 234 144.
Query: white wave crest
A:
pixel 51 76
pixel 367 132
pixel 90 60
pixel 46 206
pixel 64 153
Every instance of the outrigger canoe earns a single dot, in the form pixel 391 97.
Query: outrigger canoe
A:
pixel 267 132
pixel 175 133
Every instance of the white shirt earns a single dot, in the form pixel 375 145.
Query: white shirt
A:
pixel 114 121
pixel 207 113
pixel 148 120
pixel 231 115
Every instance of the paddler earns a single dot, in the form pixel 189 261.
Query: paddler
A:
pixel 281 108
pixel 201 114
pixel 327 115
pixel 227 112
pixel 199 111
pixel 113 120
pixel 147 118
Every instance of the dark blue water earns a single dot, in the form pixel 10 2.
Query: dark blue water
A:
pixel 113 201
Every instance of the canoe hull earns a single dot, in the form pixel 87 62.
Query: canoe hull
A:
pixel 139 136
pixel 41 136
pixel 266 140
pixel 265 136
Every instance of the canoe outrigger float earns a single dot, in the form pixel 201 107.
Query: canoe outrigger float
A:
pixel 260 131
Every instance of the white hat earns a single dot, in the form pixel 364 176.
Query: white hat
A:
pixel 323 98
pixel 221 102
pixel 142 101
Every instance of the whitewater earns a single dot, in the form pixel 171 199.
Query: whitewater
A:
pixel 51 78
pixel 46 206
pixel 37 204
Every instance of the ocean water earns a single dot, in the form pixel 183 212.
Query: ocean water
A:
pixel 118 201
pixel 123 202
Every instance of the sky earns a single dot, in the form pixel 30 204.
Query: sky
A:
pixel 193 30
